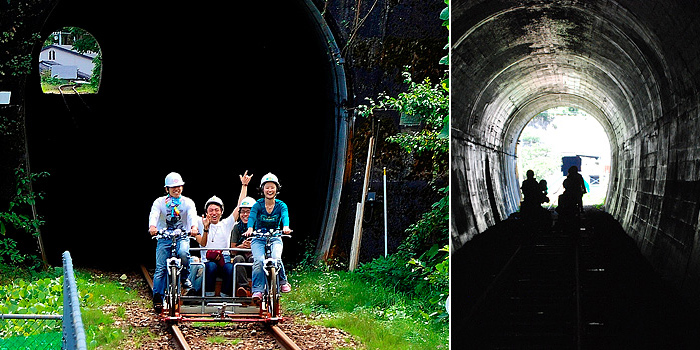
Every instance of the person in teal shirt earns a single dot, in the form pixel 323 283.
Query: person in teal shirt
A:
pixel 268 213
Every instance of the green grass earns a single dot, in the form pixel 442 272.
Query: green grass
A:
pixel 375 315
pixel 220 339
pixel 100 297
pixel 97 292
pixel 54 89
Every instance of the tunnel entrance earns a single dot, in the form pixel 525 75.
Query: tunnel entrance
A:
pixel 208 92
pixel 561 137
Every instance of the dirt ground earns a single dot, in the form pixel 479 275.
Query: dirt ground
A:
pixel 146 332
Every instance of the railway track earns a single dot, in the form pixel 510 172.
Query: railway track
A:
pixel 537 299
pixel 180 340
pixel 581 285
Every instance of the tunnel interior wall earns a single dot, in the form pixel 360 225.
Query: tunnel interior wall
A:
pixel 480 204
pixel 643 62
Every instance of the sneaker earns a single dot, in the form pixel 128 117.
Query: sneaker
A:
pixel 257 296
pixel 187 285
pixel 285 288
pixel 158 308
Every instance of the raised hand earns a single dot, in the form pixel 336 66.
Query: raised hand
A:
pixel 245 178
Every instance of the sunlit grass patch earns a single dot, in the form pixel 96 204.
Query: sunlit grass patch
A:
pixel 376 315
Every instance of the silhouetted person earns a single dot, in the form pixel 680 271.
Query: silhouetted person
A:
pixel 543 191
pixel 574 188
pixel 532 192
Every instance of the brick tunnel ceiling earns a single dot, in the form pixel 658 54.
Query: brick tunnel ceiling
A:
pixel 524 59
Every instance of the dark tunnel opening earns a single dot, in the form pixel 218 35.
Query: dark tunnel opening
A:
pixel 208 92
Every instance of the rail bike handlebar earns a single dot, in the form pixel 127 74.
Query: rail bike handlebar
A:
pixel 271 233
pixel 167 233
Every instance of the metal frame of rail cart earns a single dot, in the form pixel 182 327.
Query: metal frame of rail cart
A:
pixel 203 308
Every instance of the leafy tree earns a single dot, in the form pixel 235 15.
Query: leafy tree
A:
pixel 430 104
pixel 16 216
pixel 420 267
pixel 535 155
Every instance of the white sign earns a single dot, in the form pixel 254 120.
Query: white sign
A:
pixel 5 97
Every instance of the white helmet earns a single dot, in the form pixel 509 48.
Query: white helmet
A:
pixel 270 177
pixel 247 202
pixel 214 200
pixel 173 180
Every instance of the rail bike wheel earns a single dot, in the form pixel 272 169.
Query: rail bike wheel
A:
pixel 173 295
pixel 274 293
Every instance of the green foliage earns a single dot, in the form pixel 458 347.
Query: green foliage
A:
pixel 377 314
pixel 542 120
pixel 51 85
pixel 44 295
pixel 424 279
pixel 445 17
pixel 18 64
pixel 536 156
pixel 16 216
pixel 428 102
pixel 420 268
pixel 84 42
pixel 37 297
pixel 432 227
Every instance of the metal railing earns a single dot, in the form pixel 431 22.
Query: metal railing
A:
pixel 30 332
pixel 50 332
pixel 73 330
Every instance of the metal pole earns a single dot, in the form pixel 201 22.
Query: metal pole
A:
pixel 385 219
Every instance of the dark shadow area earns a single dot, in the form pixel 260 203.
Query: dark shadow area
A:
pixel 515 286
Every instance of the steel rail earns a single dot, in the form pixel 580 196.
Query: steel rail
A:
pixel 147 276
pixel 282 339
pixel 179 338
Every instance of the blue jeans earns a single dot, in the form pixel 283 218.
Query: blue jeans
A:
pixel 226 284
pixel 257 247
pixel 162 254
pixel 196 276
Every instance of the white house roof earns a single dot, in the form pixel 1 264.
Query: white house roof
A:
pixel 69 48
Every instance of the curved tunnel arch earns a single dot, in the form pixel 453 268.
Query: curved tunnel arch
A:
pixel 630 64
pixel 243 95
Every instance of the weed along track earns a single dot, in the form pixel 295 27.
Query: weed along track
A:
pixel 210 333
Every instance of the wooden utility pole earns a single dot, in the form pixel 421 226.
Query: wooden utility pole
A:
pixel 360 213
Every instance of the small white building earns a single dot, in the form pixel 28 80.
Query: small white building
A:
pixel 65 63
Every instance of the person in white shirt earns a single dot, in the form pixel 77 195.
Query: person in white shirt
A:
pixel 172 211
pixel 216 234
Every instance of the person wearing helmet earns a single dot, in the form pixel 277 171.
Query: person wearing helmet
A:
pixel 216 234
pixel 240 241
pixel 268 213
pixel 172 211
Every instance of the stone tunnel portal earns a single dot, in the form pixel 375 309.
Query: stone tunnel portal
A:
pixel 633 66
pixel 207 91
